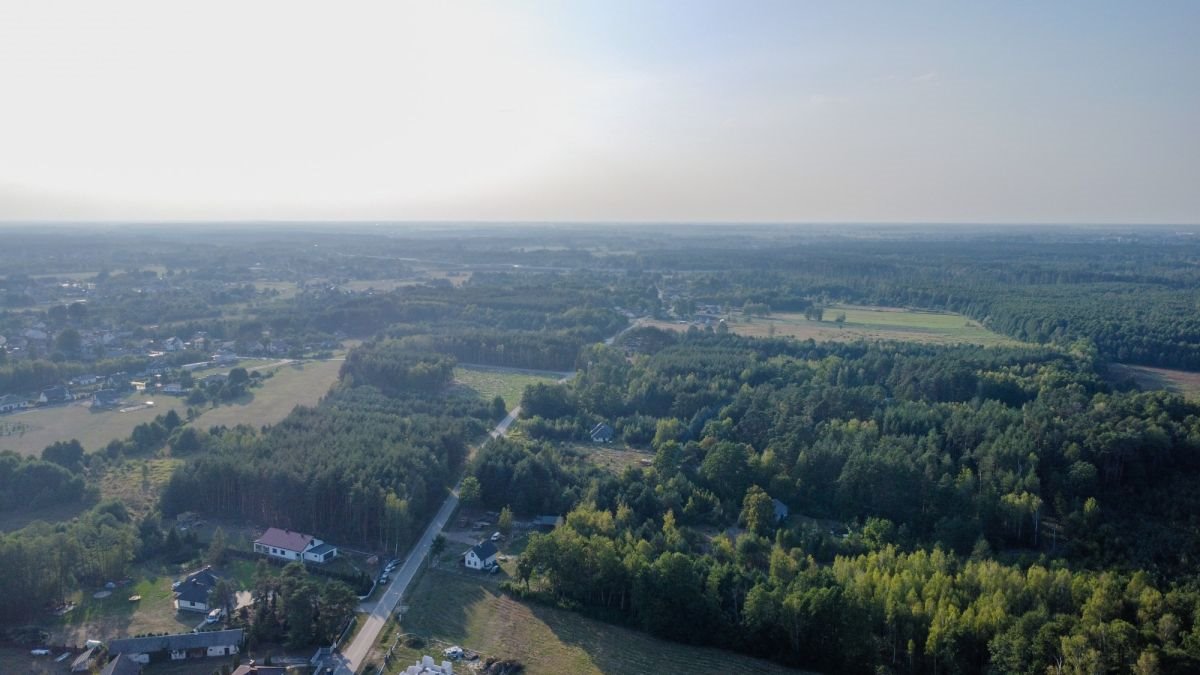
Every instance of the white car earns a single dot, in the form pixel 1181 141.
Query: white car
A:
pixel 40 652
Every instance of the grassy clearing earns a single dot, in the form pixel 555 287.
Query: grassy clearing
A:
pixel 29 432
pixel 487 383
pixel 115 615
pixel 450 607
pixel 290 386
pixel 612 458
pixel 43 426
pixel 869 323
pixel 1182 382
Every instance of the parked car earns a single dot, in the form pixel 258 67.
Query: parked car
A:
pixel 384 579
pixel 215 615
pixel 39 652
pixel 496 536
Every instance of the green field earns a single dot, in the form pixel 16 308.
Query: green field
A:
pixel 1182 382
pixel 451 607
pixel 291 385
pixel 94 430
pixel 487 383
pixel 866 323
pixel 115 615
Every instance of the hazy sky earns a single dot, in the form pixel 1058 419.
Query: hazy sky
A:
pixel 719 111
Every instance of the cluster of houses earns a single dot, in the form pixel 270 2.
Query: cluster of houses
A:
pixel 193 593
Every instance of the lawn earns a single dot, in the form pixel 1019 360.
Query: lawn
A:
pixel 291 385
pixel 43 426
pixel 1182 382
pixel 115 616
pixel 454 608
pixel 866 323
pixel 509 384
pixel 14 660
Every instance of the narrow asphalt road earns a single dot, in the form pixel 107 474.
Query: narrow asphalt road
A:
pixel 355 654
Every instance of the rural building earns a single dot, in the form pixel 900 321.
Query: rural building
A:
pixel 11 402
pixel 547 522
pixel 180 646
pixel 106 398
pixel 122 665
pixel 602 433
pixel 55 395
pixel 290 545
pixel 192 593
pixel 781 510
pixel 481 555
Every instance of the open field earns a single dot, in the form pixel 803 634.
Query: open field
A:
pixel 14 661
pixel 612 458
pixel 1183 382
pixel 453 607
pixel 115 616
pixel 487 383
pixel 43 426
pixel 291 385
pixel 866 323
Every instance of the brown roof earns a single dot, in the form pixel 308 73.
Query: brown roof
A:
pixel 285 539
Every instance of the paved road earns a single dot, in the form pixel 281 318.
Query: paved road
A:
pixel 354 654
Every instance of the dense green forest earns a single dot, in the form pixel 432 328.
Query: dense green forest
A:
pixel 1000 507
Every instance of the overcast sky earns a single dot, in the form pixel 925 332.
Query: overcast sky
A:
pixel 598 111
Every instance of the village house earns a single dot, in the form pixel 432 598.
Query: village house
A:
pixel 191 595
pixel 290 545
pixel 251 669
pixel 180 646
pixel 11 402
pixel 481 555
pixel 602 433
pixel 55 395
pixel 106 398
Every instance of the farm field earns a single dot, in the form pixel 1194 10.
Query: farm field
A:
pixel 866 323
pixel 487 383
pixel 291 385
pixel 42 426
pixel 1182 382
pixel 453 608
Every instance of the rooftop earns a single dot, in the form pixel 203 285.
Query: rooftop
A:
pixel 159 643
pixel 285 539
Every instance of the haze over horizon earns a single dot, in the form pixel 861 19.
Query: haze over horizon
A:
pixel 601 111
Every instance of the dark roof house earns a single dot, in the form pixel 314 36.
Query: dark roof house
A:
pixel 781 510
pixel 602 433
pixel 192 592
pixel 106 398
pixel 480 555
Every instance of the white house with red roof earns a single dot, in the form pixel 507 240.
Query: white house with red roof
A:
pixel 290 545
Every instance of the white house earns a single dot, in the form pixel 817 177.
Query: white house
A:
pixel 290 545
pixel 481 555
pixel 191 595
pixel 180 646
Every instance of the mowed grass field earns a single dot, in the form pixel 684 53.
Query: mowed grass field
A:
pixel 43 426
pixel 115 616
pixel 487 383
pixel 867 323
pixel 454 608
pixel 1182 382
pixel 291 385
